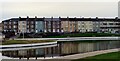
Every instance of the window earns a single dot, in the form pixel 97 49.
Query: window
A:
pixel 9 22
pixel 54 26
pixel 5 26
pixel 66 28
pixel 28 22
pixel 40 30
pixel 88 30
pixel 14 26
pixel 97 22
pixel 58 22
pixel 49 30
pixel 32 26
pixel 36 30
pixel 14 22
pixel 62 30
pixel 57 26
pixel 36 26
pixel 23 26
pixel 70 27
pixel 5 22
pixel 104 23
pixel 45 31
pixel 53 30
pixel 66 22
pixel 57 30
pixel 23 22
pixel 110 23
pixel 97 26
pixel 117 23
pixel 14 30
pixel 28 26
pixel 22 52
pixel 9 26
pixel 4 30
pixel 32 30
pixel 83 26
pixel 36 22
pixel 82 22
pixel 32 22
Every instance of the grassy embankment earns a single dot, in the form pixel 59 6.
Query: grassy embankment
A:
pixel 84 35
pixel 114 56
pixel 25 41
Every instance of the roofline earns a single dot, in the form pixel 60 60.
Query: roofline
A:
pixel 70 19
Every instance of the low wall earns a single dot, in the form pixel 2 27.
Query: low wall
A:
pixel 83 47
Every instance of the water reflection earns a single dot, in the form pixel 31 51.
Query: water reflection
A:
pixel 64 48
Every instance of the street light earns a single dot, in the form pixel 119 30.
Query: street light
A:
pixel 23 33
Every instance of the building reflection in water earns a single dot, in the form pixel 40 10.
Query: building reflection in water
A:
pixel 63 48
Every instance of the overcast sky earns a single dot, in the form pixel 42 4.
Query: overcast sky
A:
pixel 56 8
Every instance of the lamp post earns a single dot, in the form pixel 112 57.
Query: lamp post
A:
pixel 23 33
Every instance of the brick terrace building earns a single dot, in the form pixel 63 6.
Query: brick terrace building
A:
pixel 28 25
pixel 39 25
pixel 22 25
pixel 85 24
pixel 52 25
pixel 0 27
pixel 69 24
pixel 110 25
pixel 10 24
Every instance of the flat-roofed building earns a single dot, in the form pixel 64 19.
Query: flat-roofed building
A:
pixel 52 25
pixel 64 25
pixel 48 25
pixel 69 24
pixel 0 27
pixel 110 25
pixel 22 25
pixel 96 25
pixel 56 24
pixel 73 25
pixel 85 25
pixel 10 25
pixel 30 25
pixel 39 25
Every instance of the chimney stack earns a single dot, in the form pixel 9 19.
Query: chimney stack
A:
pixel 35 16
pixel 27 17
pixel 52 17
pixel 116 18
pixel 59 17
pixel 19 17
pixel 96 18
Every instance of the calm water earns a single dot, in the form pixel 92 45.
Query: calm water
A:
pixel 64 48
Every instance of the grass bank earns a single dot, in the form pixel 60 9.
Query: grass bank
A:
pixel 114 56
pixel 84 35
pixel 9 42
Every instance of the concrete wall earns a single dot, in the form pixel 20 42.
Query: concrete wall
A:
pixel 82 47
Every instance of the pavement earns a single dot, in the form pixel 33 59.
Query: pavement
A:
pixel 88 54
pixel 72 38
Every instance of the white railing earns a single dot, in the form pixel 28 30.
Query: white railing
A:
pixel 27 46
